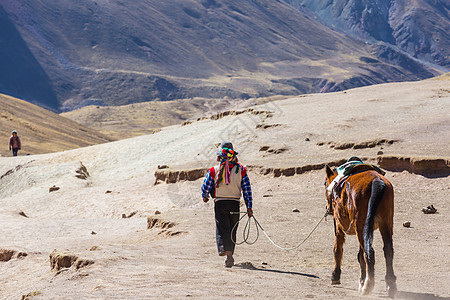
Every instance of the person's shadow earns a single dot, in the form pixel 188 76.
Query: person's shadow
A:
pixel 250 266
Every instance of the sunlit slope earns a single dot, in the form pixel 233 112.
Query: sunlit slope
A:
pixel 40 130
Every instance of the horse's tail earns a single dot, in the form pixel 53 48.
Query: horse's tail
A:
pixel 378 188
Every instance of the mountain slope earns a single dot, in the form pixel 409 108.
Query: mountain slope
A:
pixel 116 53
pixel 125 121
pixel 21 74
pixel 419 28
pixel 40 130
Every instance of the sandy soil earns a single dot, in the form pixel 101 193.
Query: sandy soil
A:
pixel 84 217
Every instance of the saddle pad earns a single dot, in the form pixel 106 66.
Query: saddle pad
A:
pixel 351 167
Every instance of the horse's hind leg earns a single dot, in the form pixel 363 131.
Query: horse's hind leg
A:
pixel 366 259
pixel 339 239
pixel 361 259
pixel 386 234
pixel 362 265
pixel 369 283
pixel 376 196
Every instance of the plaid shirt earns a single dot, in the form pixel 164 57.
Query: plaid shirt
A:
pixel 208 184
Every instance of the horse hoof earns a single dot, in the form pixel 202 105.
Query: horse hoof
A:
pixel 334 282
pixel 391 294
pixel 361 285
pixel 367 287
pixel 391 291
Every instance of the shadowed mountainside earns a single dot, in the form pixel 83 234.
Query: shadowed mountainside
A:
pixel 21 74
pixel 117 53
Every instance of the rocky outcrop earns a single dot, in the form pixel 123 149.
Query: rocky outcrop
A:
pixel 267 126
pixel 224 114
pixel 153 222
pixel 423 166
pixel 67 260
pixel 268 149
pixel 82 172
pixel 418 165
pixel 21 213
pixel 53 188
pixel 127 216
pixel 30 295
pixel 172 176
pixel 164 226
pixel 8 254
pixel 291 171
pixel 361 145
pixel 15 169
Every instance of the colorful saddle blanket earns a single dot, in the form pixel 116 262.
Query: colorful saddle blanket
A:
pixel 354 165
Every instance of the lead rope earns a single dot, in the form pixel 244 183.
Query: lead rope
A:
pixel 246 232
pixel 268 237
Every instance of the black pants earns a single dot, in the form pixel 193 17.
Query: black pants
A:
pixel 15 150
pixel 225 223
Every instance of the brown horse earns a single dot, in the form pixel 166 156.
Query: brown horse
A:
pixel 365 203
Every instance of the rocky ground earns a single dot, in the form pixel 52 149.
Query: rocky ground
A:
pixel 92 238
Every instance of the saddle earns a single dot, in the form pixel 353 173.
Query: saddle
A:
pixel 354 165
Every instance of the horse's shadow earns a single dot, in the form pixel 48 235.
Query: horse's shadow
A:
pixel 249 266
pixel 402 295
pixel 419 296
pixel 398 295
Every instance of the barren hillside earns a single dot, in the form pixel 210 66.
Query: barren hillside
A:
pixel 40 130
pixel 131 120
pixel 105 239
pixel 419 28
pixel 77 53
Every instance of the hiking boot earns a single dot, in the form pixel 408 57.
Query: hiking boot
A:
pixel 229 262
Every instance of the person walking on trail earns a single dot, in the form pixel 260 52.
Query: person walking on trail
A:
pixel 14 143
pixel 225 183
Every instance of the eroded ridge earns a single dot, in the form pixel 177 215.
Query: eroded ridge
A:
pixel 418 165
pixel 172 176
pixel 165 227
pixel 66 260
pixel 8 254
pixel 268 114
pixel 361 145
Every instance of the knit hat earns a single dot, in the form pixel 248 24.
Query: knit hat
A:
pixel 228 160
pixel 225 145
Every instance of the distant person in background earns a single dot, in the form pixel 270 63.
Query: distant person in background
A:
pixel 14 143
pixel 225 183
